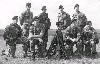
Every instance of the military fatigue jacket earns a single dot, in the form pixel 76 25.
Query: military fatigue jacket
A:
pixel 26 17
pixel 80 18
pixel 65 18
pixel 36 30
pixel 88 28
pixel 43 17
pixel 12 32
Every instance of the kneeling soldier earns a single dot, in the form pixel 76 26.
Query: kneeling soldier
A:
pixel 11 35
pixel 93 38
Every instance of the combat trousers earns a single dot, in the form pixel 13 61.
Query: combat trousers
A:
pixel 45 40
pixel 80 47
pixel 93 46
pixel 87 49
pixel 12 49
pixel 90 48
pixel 39 46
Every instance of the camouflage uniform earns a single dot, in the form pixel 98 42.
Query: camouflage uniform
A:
pixel 57 48
pixel 26 19
pixel 11 35
pixel 36 30
pixel 43 17
pixel 80 19
pixel 64 17
pixel 91 39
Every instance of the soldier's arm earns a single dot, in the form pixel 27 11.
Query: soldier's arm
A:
pixel 6 32
pixel 42 28
pixel 40 16
pixel 20 31
pixel 73 17
pixel 58 17
pixel 21 18
pixel 31 16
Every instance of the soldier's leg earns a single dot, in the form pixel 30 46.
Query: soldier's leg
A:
pixel 80 48
pixel 58 52
pixel 40 49
pixel 44 47
pixel 87 49
pixel 33 48
pixel 45 40
pixel 69 51
pixel 12 50
pixel 93 48
pixel 25 48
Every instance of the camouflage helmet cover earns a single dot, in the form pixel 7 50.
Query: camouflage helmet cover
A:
pixel 28 4
pixel 44 8
pixel 15 17
pixel 76 5
pixel 61 7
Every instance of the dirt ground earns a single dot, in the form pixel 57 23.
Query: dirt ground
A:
pixel 20 60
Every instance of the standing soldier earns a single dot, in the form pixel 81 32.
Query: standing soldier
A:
pixel 79 18
pixel 43 17
pixel 36 35
pixel 26 19
pixel 11 35
pixel 64 17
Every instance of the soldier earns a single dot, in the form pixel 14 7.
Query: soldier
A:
pixel 64 17
pixel 26 19
pixel 57 47
pixel 79 18
pixel 26 16
pixel 92 38
pixel 36 35
pixel 11 35
pixel 43 18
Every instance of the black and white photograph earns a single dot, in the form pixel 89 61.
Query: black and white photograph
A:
pixel 49 32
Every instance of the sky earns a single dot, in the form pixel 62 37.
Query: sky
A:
pixel 10 8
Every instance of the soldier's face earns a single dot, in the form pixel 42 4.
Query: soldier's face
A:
pixel 28 7
pixel 44 10
pixel 60 26
pixel 15 21
pixel 35 22
pixel 61 9
pixel 77 9
pixel 90 24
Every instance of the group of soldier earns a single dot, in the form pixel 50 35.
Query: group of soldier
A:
pixel 34 31
pixel 78 31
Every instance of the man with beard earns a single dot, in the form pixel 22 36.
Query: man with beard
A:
pixel 79 18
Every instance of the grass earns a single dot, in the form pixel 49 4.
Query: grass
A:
pixel 21 60
pixel 50 32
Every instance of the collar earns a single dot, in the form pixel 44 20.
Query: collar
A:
pixel 78 12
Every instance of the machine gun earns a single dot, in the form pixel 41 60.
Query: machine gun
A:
pixel 56 45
